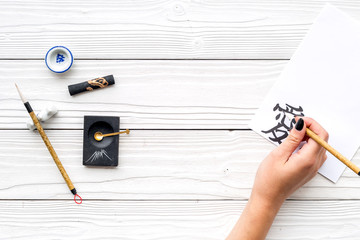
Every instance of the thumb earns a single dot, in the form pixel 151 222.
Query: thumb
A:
pixel 294 139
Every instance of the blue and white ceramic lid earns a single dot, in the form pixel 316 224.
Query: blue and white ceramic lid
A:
pixel 59 59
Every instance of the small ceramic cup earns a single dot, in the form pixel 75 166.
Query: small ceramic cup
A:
pixel 59 59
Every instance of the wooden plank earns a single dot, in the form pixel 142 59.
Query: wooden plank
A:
pixel 147 94
pixel 159 29
pixel 203 220
pixel 152 165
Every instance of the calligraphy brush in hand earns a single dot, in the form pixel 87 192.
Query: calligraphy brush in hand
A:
pixel 329 148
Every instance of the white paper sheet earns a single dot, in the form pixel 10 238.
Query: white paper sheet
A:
pixel 323 77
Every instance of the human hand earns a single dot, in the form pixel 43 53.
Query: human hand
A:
pixel 279 175
pixel 282 171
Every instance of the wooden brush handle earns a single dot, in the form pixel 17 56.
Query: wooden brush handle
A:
pixel 52 151
pixel 331 150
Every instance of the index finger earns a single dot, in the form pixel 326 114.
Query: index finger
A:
pixel 312 147
pixel 316 128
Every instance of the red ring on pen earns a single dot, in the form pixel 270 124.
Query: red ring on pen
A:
pixel 77 201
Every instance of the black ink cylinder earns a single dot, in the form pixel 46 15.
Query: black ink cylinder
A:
pixel 90 85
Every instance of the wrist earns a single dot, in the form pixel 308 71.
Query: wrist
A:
pixel 256 219
pixel 267 205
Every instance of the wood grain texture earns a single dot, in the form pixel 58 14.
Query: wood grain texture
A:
pixel 147 94
pixel 170 184
pixel 159 29
pixel 152 165
pixel 203 220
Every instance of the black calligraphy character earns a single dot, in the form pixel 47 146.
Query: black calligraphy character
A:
pixel 281 130
pixel 278 132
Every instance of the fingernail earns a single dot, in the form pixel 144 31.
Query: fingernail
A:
pixel 299 125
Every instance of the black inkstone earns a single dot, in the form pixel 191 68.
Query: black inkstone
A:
pixel 106 151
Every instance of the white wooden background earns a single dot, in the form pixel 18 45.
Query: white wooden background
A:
pixel 189 76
